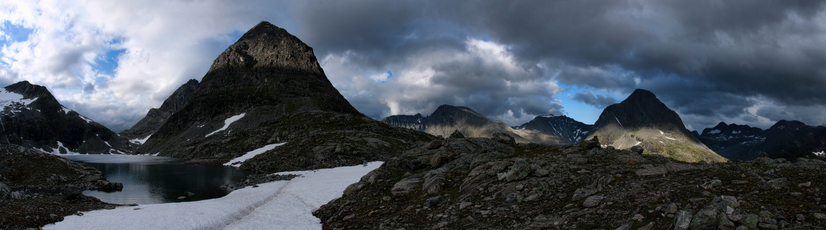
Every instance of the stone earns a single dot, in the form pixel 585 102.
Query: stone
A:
pixel 405 186
pixel 652 171
pixel 683 220
pixel 17 195
pixel 767 226
pixel 672 208
pixel 730 201
pixel 778 183
pixel 592 201
pixel 750 221
pixel 456 134
pixel 637 218
pixel 637 149
pixel 706 218
pixel 4 190
pixel 742 227
pixel 819 216
pixel 806 185
pixel 626 226
pixel 648 226
pixel 433 185
pixel 352 189
pixel 464 204
pixel 433 201
pixel 541 172
pixel 519 170
pixel 503 138
pixel 71 192
pixel 435 144
pixel 710 184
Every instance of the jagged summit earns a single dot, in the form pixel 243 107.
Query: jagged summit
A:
pixel 29 90
pixel 567 129
pixel 157 116
pixel 642 119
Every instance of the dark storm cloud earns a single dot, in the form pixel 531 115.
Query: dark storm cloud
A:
pixel 598 101
pixel 701 57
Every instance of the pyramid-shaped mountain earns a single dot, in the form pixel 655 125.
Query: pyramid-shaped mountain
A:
pixel 153 120
pixel 570 131
pixel 268 88
pixel 642 119
pixel 448 119
pixel 33 118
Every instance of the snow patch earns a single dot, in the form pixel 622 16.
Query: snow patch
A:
pixel 227 122
pixel 714 131
pixel 735 132
pixel 273 205
pixel 820 154
pixel 238 160
pixel 85 118
pixel 140 141
pixel 56 151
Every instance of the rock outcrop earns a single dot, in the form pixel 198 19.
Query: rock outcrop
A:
pixel 448 119
pixel 31 117
pixel 485 184
pixel 642 119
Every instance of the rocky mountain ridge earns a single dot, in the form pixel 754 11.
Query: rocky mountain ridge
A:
pixel 33 118
pixel 447 119
pixel 785 139
pixel 153 120
pixel 569 130
pixel 643 120
pixel 268 88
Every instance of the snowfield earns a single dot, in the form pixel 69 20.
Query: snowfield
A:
pixel 228 122
pixel 238 160
pixel 274 205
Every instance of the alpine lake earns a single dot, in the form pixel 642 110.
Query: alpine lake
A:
pixel 155 179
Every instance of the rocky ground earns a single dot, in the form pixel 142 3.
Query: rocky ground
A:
pixel 37 188
pixel 475 183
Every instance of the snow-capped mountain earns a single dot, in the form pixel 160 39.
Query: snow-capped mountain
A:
pixel 33 118
pixel 566 128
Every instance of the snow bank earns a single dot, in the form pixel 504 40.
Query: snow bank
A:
pixel 821 153
pixel 56 151
pixel 714 131
pixel 227 122
pixel 274 205
pixel 238 160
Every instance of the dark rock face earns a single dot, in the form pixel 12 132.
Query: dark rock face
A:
pixel 642 119
pixel 485 184
pixel 269 88
pixel 785 139
pixel 448 119
pixel 569 130
pixel 39 121
pixel 157 116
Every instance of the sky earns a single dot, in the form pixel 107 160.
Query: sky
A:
pixel 739 61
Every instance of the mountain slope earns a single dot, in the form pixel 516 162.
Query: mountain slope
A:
pixel 448 119
pixel 157 116
pixel 33 118
pixel 642 119
pixel 569 130
pixel 793 139
pixel 734 142
pixel 269 88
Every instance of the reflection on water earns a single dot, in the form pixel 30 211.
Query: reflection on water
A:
pixel 152 179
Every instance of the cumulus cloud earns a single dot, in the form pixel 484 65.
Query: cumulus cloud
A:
pixel 741 61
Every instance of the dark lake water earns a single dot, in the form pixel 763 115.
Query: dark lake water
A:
pixel 153 179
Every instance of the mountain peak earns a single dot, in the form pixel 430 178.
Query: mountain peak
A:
pixel 270 47
pixel 642 95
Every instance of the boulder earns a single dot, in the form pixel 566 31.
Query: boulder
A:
pixel 706 218
pixel 503 138
pixel 637 149
pixel 4 190
pixel 71 192
pixel 405 186
pixel 592 201
pixel 456 134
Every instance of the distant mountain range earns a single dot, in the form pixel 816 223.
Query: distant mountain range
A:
pixel 33 118
pixel 785 139
pixel 448 119
pixel 570 131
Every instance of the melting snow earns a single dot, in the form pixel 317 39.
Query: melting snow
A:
pixel 238 160
pixel 735 132
pixel 85 119
pixel 714 131
pixel 227 122
pixel 56 151
pixel 274 205
pixel 821 153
